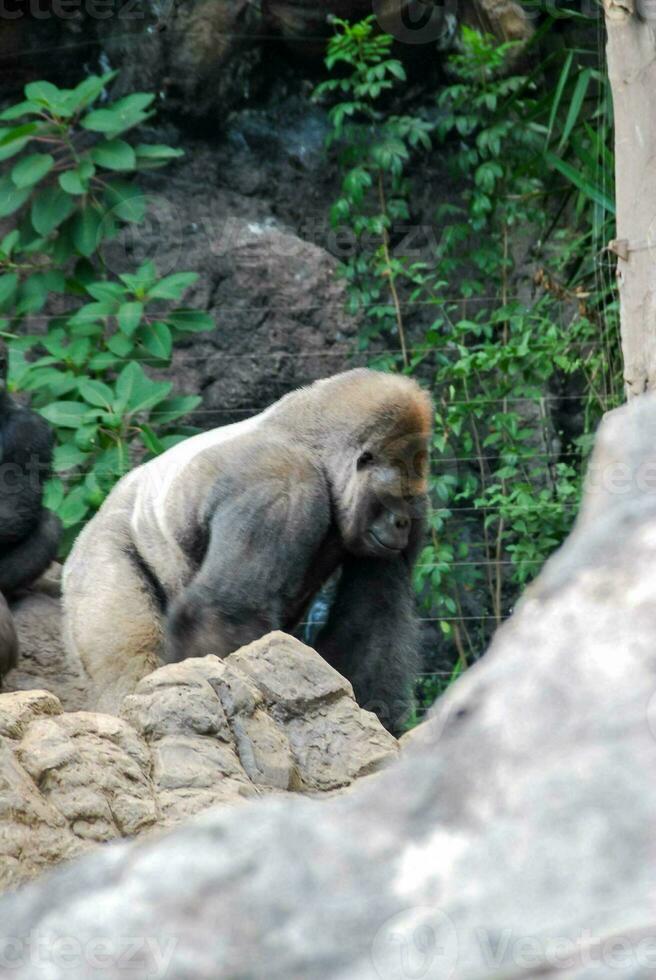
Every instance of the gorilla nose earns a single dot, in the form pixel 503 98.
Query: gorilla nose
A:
pixel 391 531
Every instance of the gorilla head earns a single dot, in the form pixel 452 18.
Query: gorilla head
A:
pixel 379 471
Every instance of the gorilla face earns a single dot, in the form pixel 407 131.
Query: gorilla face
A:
pixel 385 491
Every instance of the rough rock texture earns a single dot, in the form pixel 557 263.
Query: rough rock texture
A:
pixel 200 56
pixel 424 23
pixel 515 839
pixel 279 311
pixel 43 661
pixel 272 717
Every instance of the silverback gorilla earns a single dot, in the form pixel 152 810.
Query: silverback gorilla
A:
pixel 29 534
pixel 229 534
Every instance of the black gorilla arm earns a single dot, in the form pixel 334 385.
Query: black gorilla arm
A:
pixel 27 560
pixel 268 520
pixel 372 636
pixel 29 535
pixel 8 640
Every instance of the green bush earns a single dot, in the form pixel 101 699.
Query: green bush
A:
pixel 70 193
pixel 533 162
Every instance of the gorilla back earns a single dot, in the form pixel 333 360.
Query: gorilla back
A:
pixel 229 535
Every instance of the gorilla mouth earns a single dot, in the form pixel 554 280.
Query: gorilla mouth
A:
pixel 381 544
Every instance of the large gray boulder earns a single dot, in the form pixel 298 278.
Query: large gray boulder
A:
pixel 515 839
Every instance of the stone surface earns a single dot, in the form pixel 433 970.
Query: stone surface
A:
pixel 43 662
pixel 275 299
pixel 271 718
pixel 515 838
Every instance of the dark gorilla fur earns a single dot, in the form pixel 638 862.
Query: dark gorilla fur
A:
pixel 230 534
pixel 29 534
pixel 8 640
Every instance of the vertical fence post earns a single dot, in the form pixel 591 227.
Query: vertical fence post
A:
pixel 631 26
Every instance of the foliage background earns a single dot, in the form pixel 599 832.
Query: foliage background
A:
pixel 509 314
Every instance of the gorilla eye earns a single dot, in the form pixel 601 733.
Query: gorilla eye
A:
pixel 364 459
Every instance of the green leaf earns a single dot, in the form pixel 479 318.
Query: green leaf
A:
pixel 190 321
pixel 50 207
pixel 54 494
pixel 65 414
pixel 68 457
pixel 44 94
pixel 150 155
pixel 102 362
pixel 31 169
pixel 9 242
pixel 86 230
pixel 14 139
pixel 8 285
pixel 70 182
pixel 157 339
pixel 11 199
pixel 120 345
pixel 157 151
pixel 125 200
pixel 121 116
pixel 35 289
pixel 78 351
pixel 114 155
pixel 590 190
pixel 88 90
pixel 18 110
pixel 150 440
pixel 560 88
pixel 96 393
pixel 174 408
pixel 575 106
pixel 74 508
pixel 85 329
pixel 85 437
pixel 108 292
pixel 76 181
pixel 142 279
pixel 136 391
pixel 129 317
pixel 92 312
pixel 172 287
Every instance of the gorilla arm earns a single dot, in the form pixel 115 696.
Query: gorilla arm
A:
pixel 372 633
pixel 269 550
pixel 372 636
pixel 28 559
pixel 8 640
pixel 29 534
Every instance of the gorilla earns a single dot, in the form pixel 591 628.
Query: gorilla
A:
pixel 29 534
pixel 229 535
pixel 8 640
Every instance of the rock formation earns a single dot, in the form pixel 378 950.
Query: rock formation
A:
pixel 515 839
pixel 271 718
